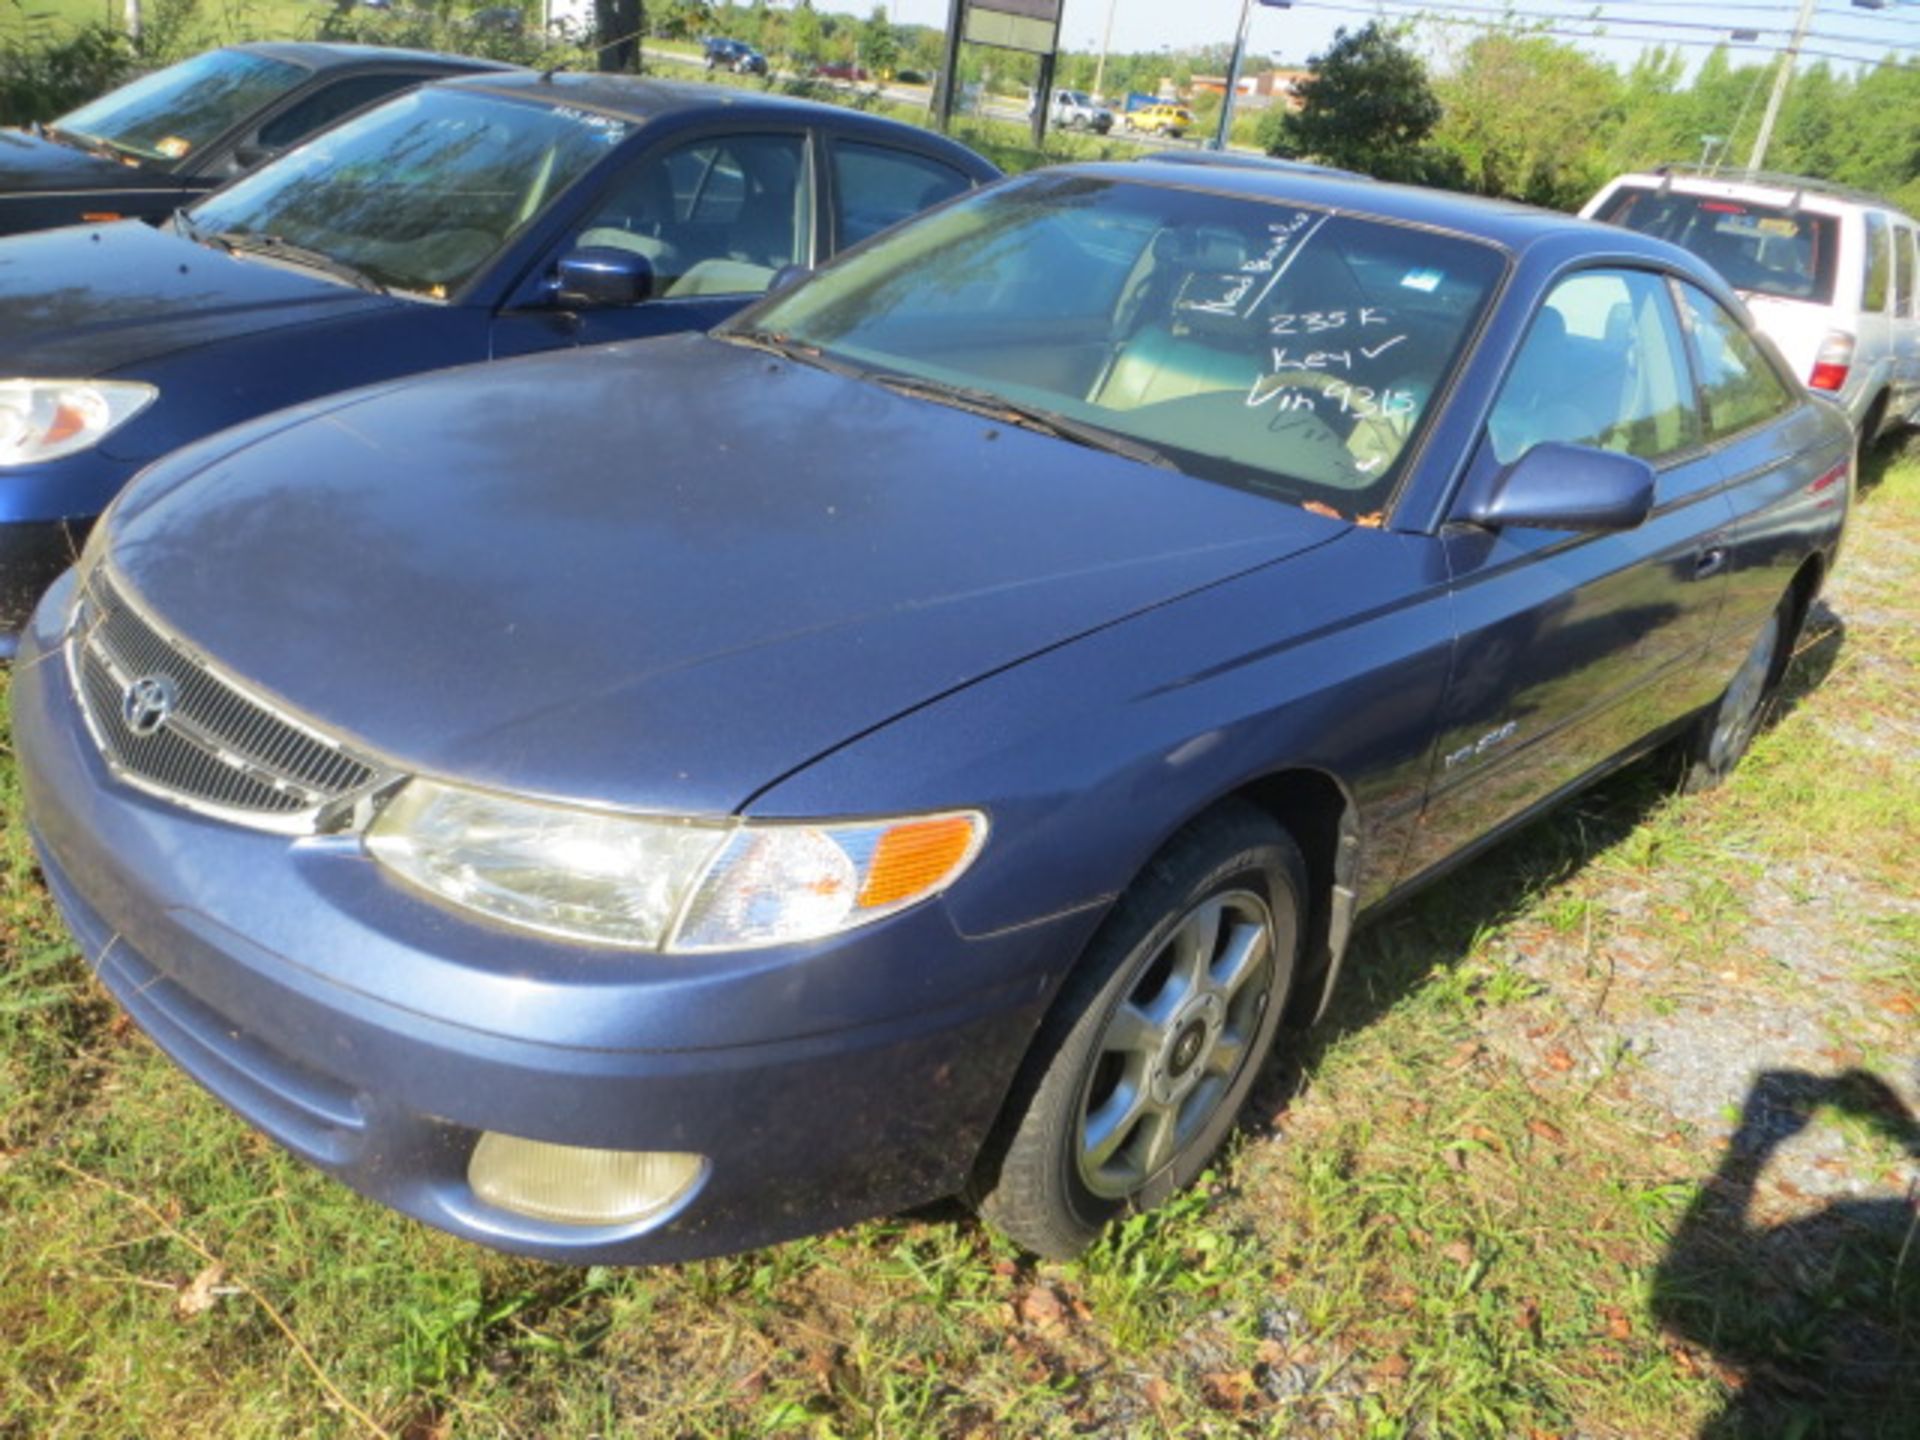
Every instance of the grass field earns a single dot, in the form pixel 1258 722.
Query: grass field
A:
pixel 1609 1136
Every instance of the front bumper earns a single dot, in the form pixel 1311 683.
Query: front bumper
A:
pixel 276 973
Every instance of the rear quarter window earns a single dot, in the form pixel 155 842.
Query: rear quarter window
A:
pixel 1902 270
pixel 1740 386
pixel 1879 261
pixel 876 186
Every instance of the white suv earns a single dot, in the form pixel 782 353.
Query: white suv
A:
pixel 1829 274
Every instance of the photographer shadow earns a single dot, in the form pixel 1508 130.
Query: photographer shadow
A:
pixel 1818 1316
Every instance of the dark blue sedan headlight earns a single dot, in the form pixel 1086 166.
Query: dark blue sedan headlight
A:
pixel 661 882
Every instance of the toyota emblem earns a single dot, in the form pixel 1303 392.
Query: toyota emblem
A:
pixel 147 704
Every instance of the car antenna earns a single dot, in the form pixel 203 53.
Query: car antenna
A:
pixel 546 75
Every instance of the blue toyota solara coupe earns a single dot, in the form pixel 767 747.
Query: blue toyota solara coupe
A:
pixel 472 220
pixel 934 759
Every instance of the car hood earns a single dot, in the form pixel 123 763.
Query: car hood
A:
pixel 32 164
pixel 659 576
pixel 94 299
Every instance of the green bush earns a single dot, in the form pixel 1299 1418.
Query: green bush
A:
pixel 44 73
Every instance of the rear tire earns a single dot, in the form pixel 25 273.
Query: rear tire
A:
pixel 1726 731
pixel 1140 1070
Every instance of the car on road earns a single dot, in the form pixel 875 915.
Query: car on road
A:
pixel 735 55
pixel 465 221
pixel 922 736
pixel 1159 119
pixel 843 70
pixel 1076 110
pixel 1828 272
pixel 166 139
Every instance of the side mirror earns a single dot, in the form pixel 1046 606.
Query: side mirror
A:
pixel 788 276
pixel 1567 487
pixel 602 275
pixel 250 153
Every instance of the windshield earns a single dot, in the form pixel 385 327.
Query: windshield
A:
pixel 173 112
pixel 421 192
pixel 1275 347
pixel 1766 249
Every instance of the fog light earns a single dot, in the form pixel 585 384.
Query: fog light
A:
pixel 575 1186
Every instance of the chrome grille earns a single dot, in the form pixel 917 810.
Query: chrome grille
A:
pixel 217 748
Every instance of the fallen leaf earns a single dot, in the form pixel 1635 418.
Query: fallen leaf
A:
pixel 1394 1367
pixel 1619 1327
pixel 1903 1005
pixel 1527 1316
pixel 1270 1352
pixel 1548 1131
pixel 1041 1308
pixel 1457 1159
pixel 1559 1059
pixel 1228 1389
pixel 1458 1251
pixel 198 1297
pixel 1158 1393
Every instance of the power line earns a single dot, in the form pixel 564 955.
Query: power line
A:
pixel 1453 14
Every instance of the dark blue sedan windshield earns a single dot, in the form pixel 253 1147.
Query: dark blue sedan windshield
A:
pixel 1275 346
pixel 420 192
pixel 173 112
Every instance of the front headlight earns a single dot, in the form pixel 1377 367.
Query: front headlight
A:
pixel 45 419
pixel 661 883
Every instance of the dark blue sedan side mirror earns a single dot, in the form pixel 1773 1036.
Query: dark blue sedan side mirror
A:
pixel 1568 487
pixel 602 275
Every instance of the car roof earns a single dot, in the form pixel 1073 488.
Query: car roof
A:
pixel 632 97
pixel 329 55
pixel 1507 223
pixel 1250 162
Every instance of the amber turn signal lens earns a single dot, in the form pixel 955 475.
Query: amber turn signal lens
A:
pixel 915 857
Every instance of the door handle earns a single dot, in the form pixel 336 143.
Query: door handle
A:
pixel 1710 561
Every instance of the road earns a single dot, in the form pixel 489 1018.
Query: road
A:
pixel 920 96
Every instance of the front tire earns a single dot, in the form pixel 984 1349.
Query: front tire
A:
pixel 1140 1069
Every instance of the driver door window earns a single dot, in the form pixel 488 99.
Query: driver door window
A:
pixel 1604 365
pixel 716 216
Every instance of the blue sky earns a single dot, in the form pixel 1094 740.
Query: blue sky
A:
pixel 1295 34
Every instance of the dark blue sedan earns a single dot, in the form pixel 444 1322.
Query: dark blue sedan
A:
pixel 163 140
pixel 934 758
pixel 462 222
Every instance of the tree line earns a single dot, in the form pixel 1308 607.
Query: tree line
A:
pixel 1506 111
pixel 1516 113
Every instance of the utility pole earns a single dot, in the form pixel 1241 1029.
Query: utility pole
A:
pixel 1780 83
pixel 1233 69
pixel 950 67
pixel 1106 44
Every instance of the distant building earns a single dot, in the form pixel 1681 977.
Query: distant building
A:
pixel 1259 91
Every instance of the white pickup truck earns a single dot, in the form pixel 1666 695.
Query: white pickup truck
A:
pixel 1075 110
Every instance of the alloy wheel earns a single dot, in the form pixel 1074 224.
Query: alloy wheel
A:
pixel 1175 1044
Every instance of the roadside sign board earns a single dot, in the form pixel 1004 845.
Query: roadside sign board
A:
pixel 1031 25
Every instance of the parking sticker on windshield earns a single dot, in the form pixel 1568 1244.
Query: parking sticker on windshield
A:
pixel 1425 281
